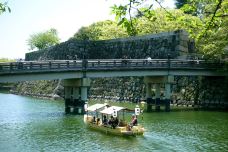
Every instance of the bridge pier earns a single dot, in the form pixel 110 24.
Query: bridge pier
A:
pixel 76 95
pixel 149 99
pixel 167 96
pixel 158 81
pixel 67 91
pixel 157 96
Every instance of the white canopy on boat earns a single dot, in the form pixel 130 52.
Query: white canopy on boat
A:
pixel 96 107
pixel 111 109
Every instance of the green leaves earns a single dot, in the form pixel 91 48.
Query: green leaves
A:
pixel 101 31
pixel 205 21
pixel 119 11
pixel 43 39
pixel 4 7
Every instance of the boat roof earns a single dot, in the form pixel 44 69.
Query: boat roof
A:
pixel 111 109
pixel 96 107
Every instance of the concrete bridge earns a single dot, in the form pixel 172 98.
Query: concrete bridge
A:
pixel 77 74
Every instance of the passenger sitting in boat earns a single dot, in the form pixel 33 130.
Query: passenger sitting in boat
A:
pixel 105 121
pixel 122 123
pixel 94 119
pixel 115 123
pixel 134 120
pixel 111 122
pixel 98 121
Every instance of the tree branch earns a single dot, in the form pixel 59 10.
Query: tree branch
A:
pixel 218 6
pixel 159 3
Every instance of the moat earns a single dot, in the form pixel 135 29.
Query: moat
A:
pixel 29 124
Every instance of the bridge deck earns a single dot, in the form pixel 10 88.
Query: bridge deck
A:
pixel 117 67
pixel 110 64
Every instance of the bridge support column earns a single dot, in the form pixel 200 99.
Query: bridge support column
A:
pixel 167 96
pixel 75 99
pixel 85 84
pixel 67 92
pixel 79 99
pixel 149 97
pixel 157 96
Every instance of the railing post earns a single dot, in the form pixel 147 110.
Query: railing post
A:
pixel 67 64
pixel 30 66
pixel 84 64
pixel 49 65
pixel 20 66
pixel 168 63
pixel 11 66
pixel 84 67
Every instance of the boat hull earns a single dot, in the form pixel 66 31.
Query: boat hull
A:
pixel 120 131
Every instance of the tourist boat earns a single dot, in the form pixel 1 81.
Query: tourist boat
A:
pixel 97 115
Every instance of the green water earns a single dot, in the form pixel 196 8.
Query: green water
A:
pixel 28 124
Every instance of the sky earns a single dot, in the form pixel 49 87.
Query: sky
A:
pixel 28 17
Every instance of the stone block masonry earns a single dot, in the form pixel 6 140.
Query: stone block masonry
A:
pixel 157 46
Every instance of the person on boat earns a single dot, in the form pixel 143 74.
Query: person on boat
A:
pixel 98 121
pixel 94 119
pixel 111 122
pixel 115 123
pixel 134 120
pixel 105 120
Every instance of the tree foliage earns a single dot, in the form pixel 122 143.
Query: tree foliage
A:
pixel 205 20
pixel 180 3
pixel 4 7
pixel 100 31
pixel 43 39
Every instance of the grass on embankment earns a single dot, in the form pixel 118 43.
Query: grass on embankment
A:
pixel 7 60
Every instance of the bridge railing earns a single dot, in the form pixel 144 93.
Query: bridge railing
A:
pixel 55 65
pixel 153 63
pixel 44 65
pixel 126 63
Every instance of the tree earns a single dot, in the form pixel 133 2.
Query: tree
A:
pixel 43 39
pixel 4 7
pixel 180 3
pixel 100 31
pixel 211 22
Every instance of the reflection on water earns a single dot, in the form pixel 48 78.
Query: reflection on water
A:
pixel 28 124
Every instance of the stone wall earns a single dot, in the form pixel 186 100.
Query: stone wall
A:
pixel 214 92
pixel 156 46
pixel 118 89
